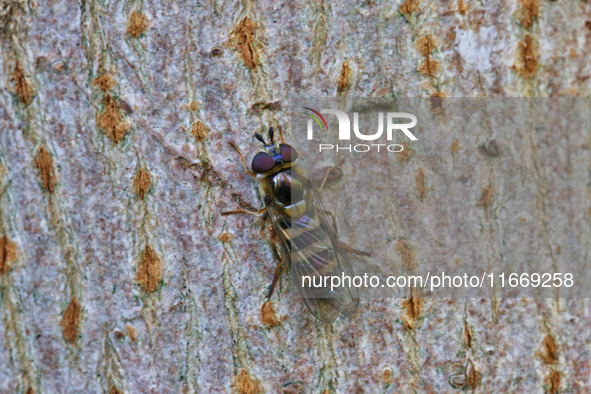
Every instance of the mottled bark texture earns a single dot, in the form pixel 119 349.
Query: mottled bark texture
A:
pixel 118 274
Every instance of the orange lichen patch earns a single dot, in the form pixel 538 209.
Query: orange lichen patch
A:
pixel 486 196
pixel 7 254
pixel 588 25
pixel 23 88
pixel 413 307
pixel 528 57
pixel 245 385
pixel 245 41
pixel 225 237
pixel 2 173
pixel 409 6
pixel 271 106
pixel 466 377
pixel 71 321
pixel 149 273
pixel 199 131
pixel 420 180
pixel 142 183
pixel 405 153
pixel 530 12
pixel 467 336
pixel 426 45
pixel 137 24
pixel 343 81
pixel 105 82
pixel 472 376
pixel 44 164
pixel 428 67
pixel 115 390
pixel 193 106
pixel 131 332
pixel 268 315
pixel 110 120
pixel 462 7
pixel 406 254
pixel 573 53
pixel 548 351
pixel 455 147
pixel 553 382
pixel 30 390
pixel 412 311
pixel 387 375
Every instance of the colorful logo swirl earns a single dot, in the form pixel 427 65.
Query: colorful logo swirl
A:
pixel 317 117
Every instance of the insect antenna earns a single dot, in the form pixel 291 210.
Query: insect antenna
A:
pixel 260 138
pixel 271 133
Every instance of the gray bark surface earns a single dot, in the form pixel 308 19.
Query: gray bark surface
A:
pixel 118 274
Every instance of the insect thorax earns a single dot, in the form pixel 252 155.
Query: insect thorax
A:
pixel 287 191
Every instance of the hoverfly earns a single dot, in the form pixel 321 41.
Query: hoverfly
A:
pixel 309 240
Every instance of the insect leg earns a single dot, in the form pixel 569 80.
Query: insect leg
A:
pixel 334 221
pixel 281 134
pixel 257 213
pixel 342 245
pixel 249 172
pixel 351 250
pixel 277 270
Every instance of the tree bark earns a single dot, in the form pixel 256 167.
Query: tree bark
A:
pixel 118 274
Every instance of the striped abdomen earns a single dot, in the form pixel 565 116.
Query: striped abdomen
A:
pixel 310 246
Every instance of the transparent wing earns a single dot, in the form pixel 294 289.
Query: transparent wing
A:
pixel 348 295
pixel 311 245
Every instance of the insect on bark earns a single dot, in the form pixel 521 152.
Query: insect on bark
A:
pixel 306 231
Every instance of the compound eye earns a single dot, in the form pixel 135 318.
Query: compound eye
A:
pixel 262 163
pixel 288 153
